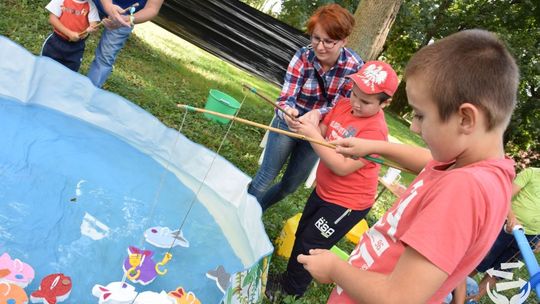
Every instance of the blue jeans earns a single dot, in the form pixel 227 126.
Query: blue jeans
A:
pixel 472 289
pixel 111 42
pixel 279 148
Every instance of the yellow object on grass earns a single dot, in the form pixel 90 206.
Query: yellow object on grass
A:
pixel 357 231
pixel 285 240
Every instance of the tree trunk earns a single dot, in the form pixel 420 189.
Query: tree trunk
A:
pixel 374 18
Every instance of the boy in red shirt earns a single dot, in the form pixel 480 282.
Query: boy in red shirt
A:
pixel 69 18
pixel 346 188
pixel 462 89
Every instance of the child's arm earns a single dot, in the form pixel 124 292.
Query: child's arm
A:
pixel 459 295
pixel 371 287
pixel 411 157
pixel 511 219
pixel 55 22
pixel 339 164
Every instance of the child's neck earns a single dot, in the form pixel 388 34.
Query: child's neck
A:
pixel 488 145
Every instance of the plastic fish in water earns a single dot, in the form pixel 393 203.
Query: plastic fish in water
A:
pixel 53 289
pixel 180 296
pixel 12 294
pixel 148 297
pixel 163 237
pixel 139 266
pixel 115 293
pixel 221 277
pixel 19 273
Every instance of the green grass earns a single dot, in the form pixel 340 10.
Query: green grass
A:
pixel 157 71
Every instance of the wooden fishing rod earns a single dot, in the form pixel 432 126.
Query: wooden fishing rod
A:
pixel 258 125
pixel 275 105
pixel 287 133
pixel 134 5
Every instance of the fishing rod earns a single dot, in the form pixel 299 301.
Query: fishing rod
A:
pixel 288 133
pixel 254 91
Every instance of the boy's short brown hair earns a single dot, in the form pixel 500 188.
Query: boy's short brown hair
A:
pixel 471 66
pixel 336 21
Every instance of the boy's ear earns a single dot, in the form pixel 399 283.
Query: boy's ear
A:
pixel 469 117
pixel 385 103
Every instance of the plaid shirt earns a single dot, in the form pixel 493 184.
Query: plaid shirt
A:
pixel 301 89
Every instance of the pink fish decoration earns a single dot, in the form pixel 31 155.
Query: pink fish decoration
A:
pixel 19 273
pixel 53 289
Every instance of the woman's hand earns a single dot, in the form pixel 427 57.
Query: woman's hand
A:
pixel 293 124
pixel 116 18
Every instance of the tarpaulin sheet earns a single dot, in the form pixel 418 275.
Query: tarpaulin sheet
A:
pixel 235 32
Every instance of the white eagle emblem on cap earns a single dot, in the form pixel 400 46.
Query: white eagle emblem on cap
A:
pixel 374 75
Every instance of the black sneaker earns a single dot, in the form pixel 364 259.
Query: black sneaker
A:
pixel 274 290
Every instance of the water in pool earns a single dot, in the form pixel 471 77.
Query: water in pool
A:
pixel 74 197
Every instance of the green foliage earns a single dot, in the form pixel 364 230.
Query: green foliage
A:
pixel 296 13
pixel 517 23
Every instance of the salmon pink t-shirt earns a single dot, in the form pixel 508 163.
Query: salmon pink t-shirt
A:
pixel 451 217
pixel 356 190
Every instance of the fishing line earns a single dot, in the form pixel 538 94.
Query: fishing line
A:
pixel 207 171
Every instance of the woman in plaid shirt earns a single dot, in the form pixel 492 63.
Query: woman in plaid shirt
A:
pixel 314 81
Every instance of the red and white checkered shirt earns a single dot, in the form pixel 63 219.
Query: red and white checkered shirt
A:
pixel 301 89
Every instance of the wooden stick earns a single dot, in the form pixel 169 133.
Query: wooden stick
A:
pixel 275 105
pixel 290 134
pixel 258 125
pixel 136 4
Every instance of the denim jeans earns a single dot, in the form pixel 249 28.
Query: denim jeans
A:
pixel 472 289
pixel 279 148
pixel 111 42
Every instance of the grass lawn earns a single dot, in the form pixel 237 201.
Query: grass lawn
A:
pixel 158 70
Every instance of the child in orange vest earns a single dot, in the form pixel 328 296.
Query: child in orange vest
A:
pixel 69 18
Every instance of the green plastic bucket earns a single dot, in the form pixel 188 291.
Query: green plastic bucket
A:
pixel 220 102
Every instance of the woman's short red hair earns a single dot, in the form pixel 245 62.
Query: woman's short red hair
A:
pixel 336 21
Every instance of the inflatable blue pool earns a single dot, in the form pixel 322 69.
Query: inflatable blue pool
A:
pixel 85 173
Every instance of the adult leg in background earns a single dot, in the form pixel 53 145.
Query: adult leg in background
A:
pixel 110 43
pixel 277 151
pixel 302 160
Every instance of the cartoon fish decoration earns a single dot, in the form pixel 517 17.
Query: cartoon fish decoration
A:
pixel 54 288
pixel 221 277
pixel 142 271
pixel 148 297
pixel 114 293
pixel 163 237
pixel 20 273
pixel 180 296
pixel 12 294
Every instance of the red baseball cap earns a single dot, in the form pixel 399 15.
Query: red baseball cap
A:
pixel 376 77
